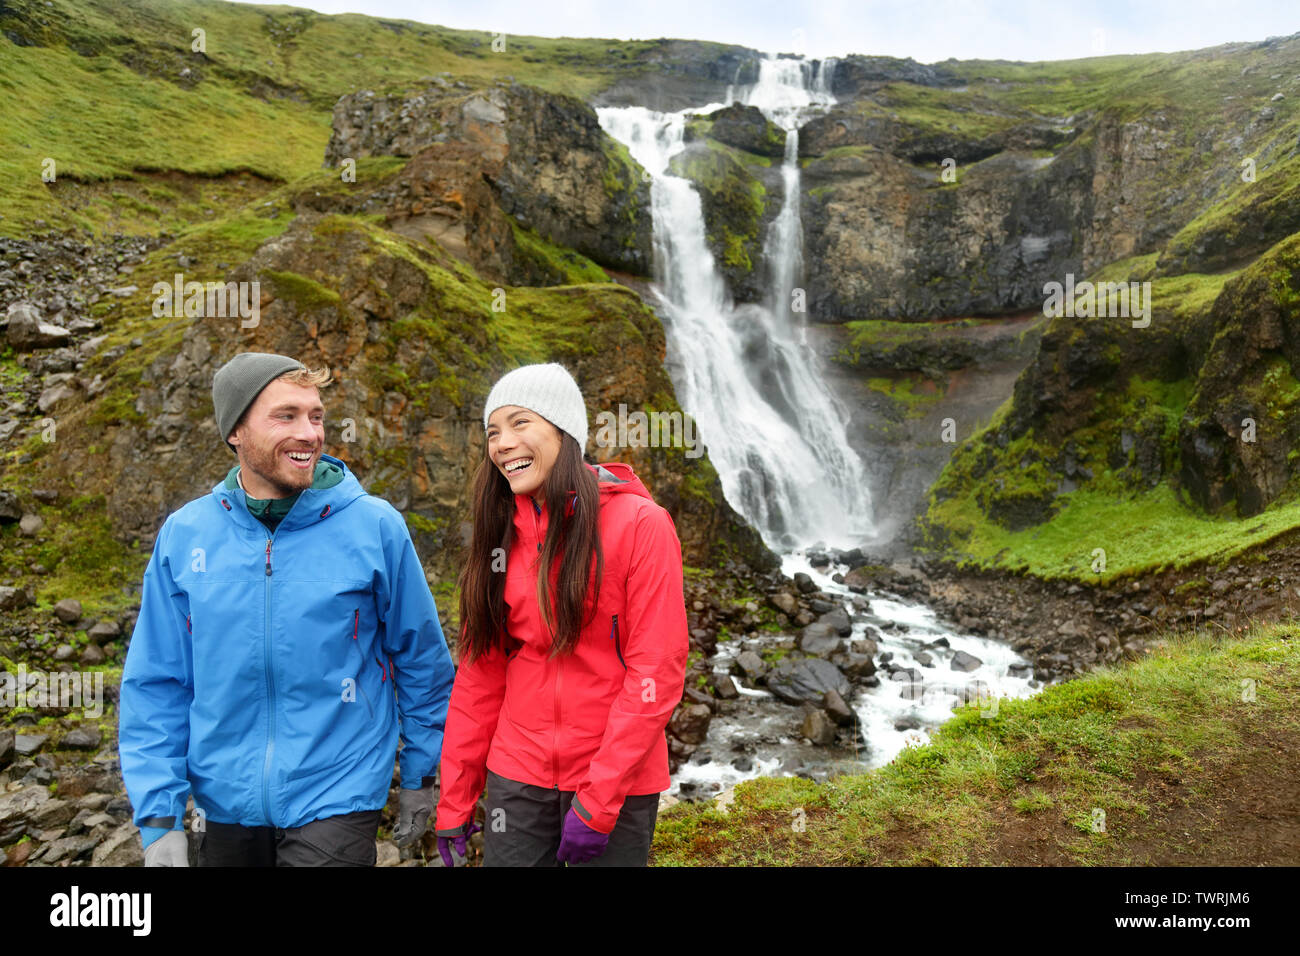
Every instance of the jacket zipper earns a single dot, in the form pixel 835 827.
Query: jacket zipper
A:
pixel 270 693
pixel 555 732
pixel 356 621
pixel 270 676
pixel 555 727
pixel 618 650
pixel 268 672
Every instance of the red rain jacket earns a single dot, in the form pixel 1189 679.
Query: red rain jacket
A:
pixel 591 722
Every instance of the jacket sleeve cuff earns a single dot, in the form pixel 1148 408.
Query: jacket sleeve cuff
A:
pixel 148 834
pixel 600 822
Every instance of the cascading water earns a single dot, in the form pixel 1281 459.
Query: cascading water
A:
pixel 777 437
pixel 773 430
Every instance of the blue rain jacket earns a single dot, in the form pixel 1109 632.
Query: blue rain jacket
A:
pixel 270 673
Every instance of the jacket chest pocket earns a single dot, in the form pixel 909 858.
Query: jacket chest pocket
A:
pixel 617 639
pixel 368 665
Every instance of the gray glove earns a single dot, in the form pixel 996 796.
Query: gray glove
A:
pixel 414 807
pixel 170 849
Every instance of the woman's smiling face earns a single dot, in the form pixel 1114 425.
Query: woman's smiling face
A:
pixel 523 445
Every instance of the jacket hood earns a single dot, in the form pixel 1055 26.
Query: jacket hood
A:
pixel 612 478
pixel 616 478
pixel 327 495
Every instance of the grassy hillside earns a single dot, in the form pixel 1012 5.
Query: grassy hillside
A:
pixel 1091 772
pixel 109 90
pixel 1108 394
pixel 1117 403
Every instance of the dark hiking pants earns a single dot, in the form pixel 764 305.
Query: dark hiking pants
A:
pixel 344 840
pixel 524 822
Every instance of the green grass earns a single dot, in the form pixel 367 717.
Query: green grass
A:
pixel 732 198
pixel 903 390
pixel 878 336
pixel 1140 531
pixel 934 109
pixel 84 558
pixel 1071 749
pixel 100 91
pixel 562 266
pixel 303 291
pixel 839 152
pixel 1140 534
pixel 1132 269
pixel 99 120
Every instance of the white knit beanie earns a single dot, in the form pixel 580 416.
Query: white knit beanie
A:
pixel 549 390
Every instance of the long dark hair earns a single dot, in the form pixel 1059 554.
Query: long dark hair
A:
pixel 572 537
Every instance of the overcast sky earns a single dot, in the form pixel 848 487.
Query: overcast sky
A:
pixel 927 30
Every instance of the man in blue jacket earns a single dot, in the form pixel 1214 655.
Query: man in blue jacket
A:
pixel 286 638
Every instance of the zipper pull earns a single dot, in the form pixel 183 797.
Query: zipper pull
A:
pixel 268 557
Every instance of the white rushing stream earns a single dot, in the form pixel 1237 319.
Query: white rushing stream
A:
pixel 778 439
pixel 761 736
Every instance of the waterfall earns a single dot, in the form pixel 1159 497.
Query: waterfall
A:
pixel 778 439
pixel 775 433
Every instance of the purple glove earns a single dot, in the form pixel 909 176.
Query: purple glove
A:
pixel 579 843
pixel 460 843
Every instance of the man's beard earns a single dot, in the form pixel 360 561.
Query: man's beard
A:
pixel 267 465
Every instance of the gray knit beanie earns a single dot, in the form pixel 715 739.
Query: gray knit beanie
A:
pixel 549 390
pixel 238 383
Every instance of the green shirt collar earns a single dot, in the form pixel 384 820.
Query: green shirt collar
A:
pixel 327 475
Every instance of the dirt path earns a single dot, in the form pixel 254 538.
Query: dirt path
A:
pixel 1241 809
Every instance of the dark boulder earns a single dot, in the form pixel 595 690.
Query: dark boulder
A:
pixel 806 680
pixel 819 639
pixel 745 127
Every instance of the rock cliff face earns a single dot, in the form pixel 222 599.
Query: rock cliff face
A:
pixel 857 75
pixel 914 390
pixel 1025 204
pixel 1203 400
pixel 885 239
pixel 1194 404
pixel 1240 434
pixel 678 74
pixel 544 157
pixel 729 157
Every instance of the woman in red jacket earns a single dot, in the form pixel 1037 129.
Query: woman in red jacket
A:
pixel 563 692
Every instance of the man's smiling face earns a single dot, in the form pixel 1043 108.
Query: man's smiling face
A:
pixel 280 440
